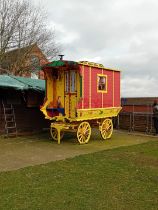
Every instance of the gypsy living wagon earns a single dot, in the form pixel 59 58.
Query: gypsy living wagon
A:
pixel 79 95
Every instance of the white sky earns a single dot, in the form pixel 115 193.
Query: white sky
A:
pixel 119 34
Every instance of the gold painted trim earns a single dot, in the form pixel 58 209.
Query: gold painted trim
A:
pixel 97 113
pixel 90 87
pixel 82 86
pixel 113 90
pixel 120 86
pixel 102 94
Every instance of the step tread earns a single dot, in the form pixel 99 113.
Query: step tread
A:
pixel 10 121
pixel 11 127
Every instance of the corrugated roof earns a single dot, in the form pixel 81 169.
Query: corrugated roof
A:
pixel 21 83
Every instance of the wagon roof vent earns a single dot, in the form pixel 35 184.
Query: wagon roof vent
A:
pixel 61 57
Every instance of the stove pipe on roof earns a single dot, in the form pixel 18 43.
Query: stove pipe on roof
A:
pixel 61 57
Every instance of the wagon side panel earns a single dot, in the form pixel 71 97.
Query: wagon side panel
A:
pixel 96 99
pixel 86 82
pixel 116 89
pixel 108 95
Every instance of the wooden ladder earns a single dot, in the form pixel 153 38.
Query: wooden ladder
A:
pixel 9 119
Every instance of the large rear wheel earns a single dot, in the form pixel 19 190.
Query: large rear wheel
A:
pixel 106 129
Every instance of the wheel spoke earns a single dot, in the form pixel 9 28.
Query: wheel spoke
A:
pixel 80 138
pixel 80 135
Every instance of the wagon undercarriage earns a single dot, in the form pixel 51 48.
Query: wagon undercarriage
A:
pixel 82 129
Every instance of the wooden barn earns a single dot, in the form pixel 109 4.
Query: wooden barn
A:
pixel 136 114
pixel 20 101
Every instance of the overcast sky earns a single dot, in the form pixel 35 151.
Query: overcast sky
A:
pixel 120 34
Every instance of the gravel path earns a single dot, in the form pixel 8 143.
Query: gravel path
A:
pixel 25 151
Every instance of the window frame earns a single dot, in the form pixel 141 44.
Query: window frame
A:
pixel 67 78
pixel 106 83
pixel 35 60
pixel 73 82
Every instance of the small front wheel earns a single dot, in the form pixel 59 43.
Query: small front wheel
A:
pixel 83 132
pixel 106 129
pixel 54 134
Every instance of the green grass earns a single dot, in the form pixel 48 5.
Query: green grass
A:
pixel 121 179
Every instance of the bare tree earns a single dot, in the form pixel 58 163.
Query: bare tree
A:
pixel 21 26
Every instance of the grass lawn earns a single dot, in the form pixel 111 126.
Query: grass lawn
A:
pixel 119 179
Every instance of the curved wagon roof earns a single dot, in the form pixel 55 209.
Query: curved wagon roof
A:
pixel 74 64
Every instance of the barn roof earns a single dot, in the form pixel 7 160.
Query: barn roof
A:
pixel 21 83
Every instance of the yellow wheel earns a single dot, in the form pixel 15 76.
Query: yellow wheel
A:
pixel 83 132
pixel 106 129
pixel 54 134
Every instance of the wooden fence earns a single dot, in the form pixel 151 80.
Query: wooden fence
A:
pixel 136 121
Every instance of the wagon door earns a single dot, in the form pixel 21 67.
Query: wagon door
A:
pixel 70 93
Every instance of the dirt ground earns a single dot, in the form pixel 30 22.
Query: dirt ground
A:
pixel 38 149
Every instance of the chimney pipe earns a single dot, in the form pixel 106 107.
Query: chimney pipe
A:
pixel 61 57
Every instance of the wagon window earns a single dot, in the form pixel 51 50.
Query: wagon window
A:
pixel 66 81
pixel 102 83
pixel 73 81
